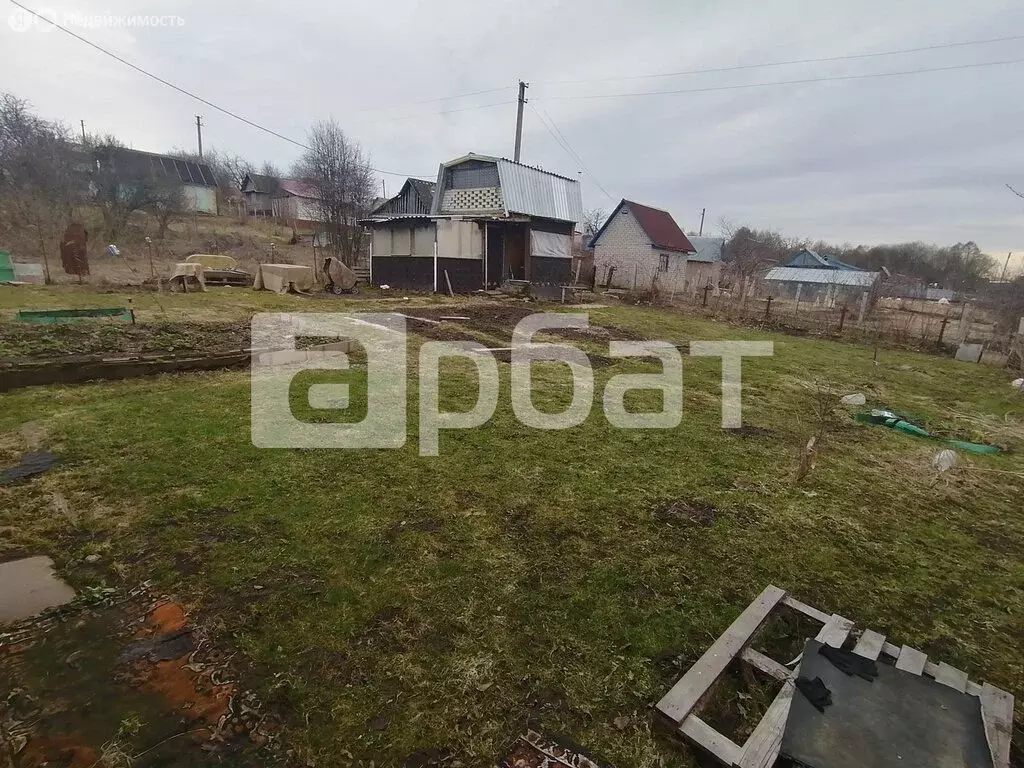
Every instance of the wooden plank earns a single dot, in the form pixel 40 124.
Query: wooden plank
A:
pixel 951 676
pixel 997 715
pixel 911 660
pixel 707 738
pixel 684 695
pixel 870 644
pixel 762 748
pixel 806 610
pixel 835 631
pixel 766 664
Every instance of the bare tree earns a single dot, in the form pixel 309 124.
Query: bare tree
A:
pixel 271 170
pixel 119 187
pixel 593 219
pixel 39 182
pixel 340 172
pixel 167 202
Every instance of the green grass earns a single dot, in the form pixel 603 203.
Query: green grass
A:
pixel 391 603
pixel 214 304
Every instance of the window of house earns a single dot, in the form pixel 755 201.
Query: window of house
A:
pixel 663 263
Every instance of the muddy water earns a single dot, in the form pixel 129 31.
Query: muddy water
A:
pixel 29 586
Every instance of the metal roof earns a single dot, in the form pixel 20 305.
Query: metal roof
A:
pixel 709 249
pixel 814 260
pixel 134 163
pixel 661 229
pixel 534 192
pixel 259 183
pixel 296 188
pixel 823 276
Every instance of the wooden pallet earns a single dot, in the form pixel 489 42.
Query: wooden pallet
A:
pixel 682 704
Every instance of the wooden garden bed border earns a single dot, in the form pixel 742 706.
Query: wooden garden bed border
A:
pixel 683 703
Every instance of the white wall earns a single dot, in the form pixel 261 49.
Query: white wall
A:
pixel 624 244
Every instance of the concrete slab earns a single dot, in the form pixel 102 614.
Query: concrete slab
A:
pixel 969 353
pixel 29 586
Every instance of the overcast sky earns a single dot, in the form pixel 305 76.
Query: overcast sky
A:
pixel 924 156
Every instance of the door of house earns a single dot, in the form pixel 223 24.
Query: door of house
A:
pixel 495 256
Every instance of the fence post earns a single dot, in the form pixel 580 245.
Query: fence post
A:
pixel 706 289
pixel 768 309
pixel 842 318
pixel 942 328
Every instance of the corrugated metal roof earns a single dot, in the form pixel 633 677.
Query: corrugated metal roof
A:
pixel 134 163
pixel 709 249
pixel 296 187
pixel 814 260
pixel 534 192
pixel 823 276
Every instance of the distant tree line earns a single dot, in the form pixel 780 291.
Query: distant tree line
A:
pixel 961 267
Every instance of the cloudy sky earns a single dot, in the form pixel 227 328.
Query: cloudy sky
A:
pixel 880 159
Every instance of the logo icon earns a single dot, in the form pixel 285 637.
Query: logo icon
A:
pixel 277 361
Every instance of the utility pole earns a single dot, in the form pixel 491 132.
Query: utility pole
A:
pixel 519 118
pixel 1005 265
pixel 82 122
pixel 702 212
pixel 199 133
pixel 384 187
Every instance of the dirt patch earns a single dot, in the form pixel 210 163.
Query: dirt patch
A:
pixel 687 512
pixel 495 322
pixel 22 342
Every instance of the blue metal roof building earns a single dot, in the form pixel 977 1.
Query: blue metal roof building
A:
pixel 808 259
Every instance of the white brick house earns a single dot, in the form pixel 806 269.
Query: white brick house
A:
pixel 640 247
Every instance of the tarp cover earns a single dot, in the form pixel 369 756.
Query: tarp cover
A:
pixel 212 261
pixel 896 719
pixel 278 277
pixel 186 271
pixel 550 245
pixel 340 274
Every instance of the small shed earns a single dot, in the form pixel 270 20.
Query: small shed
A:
pixel 490 221
pixel 705 266
pixel 131 166
pixel 296 203
pixel 819 286
pixel 416 198
pixel 259 191
pixel 640 247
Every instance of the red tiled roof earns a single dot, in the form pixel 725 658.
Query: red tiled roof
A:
pixel 660 227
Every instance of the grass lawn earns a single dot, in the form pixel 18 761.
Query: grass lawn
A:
pixel 390 603
pixel 214 304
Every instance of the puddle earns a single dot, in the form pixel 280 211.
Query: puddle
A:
pixel 29 586
pixel 129 680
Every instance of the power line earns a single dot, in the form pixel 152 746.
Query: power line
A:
pixel 564 144
pixel 792 82
pixel 574 153
pixel 822 59
pixel 181 90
